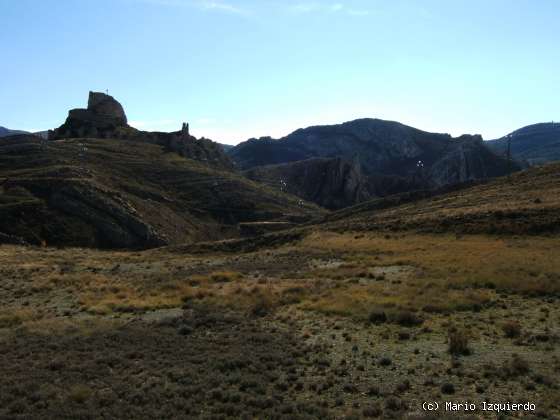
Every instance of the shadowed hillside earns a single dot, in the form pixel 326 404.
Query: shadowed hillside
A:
pixel 383 158
pixel 528 202
pixel 4 132
pixel 124 193
pixel 534 144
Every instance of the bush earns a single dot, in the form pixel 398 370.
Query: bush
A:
pixel 448 388
pixel 407 319
pixel 517 366
pixel 512 329
pixel 458 342
pixel 79 393
pixel 262 306
pixel 372 411
pixel 377 317
pixel 225 276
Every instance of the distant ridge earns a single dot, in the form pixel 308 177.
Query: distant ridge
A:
pixel 4 132
pixel 534 144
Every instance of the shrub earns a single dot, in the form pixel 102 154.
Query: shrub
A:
pixel 79 393
pixel 512 329
pixel 448 388
pixel 225 276
pixel 517 366
pixel 377 317
pixel 372 411
pixel 385 361
pixel 407 319
pixel 263 305
pixel 458 342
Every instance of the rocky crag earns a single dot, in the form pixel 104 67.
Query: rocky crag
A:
pixel 97 182
pixel 105 118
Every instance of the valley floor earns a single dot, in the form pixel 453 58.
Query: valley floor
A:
pixel 335 325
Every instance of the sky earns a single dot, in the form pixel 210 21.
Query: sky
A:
pixel 236 69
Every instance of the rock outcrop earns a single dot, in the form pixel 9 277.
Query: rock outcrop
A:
pixel 105 118
pixel 331 183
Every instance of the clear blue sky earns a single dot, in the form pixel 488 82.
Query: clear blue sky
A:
pixel 241 68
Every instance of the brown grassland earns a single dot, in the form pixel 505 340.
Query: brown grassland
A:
pixel 368 314
pixel 336 325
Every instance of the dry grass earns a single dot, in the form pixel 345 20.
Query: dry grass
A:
pixel 416 273
pixel 523 265
pixel 16 317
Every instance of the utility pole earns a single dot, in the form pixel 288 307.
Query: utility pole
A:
pixel 509 156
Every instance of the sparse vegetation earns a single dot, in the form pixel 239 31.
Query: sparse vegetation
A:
pixel 458 342
pixel 294 325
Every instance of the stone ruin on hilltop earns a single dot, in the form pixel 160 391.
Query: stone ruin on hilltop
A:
pixel 105 118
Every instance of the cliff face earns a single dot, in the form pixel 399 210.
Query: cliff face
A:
pixel 467 159
pixel 331 183
pixel 105 118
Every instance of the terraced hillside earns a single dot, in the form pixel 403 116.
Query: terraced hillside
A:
pixel 125 194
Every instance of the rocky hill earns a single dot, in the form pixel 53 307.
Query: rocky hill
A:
pixel 115 193
pixel 105 118
pixel 4 132
pixel 533 145
pixel 526 203
pixel 333 183
pixel 386 158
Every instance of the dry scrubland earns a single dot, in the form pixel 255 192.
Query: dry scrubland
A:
pixel 335 325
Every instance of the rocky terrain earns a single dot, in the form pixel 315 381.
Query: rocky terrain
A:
pixel 532 145
pixel 333 183
pixel 124 193
pixel 105 118
pixel 390 158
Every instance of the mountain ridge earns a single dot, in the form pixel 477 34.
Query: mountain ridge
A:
pixel 4 132
pixel 381 151
pixel 533 144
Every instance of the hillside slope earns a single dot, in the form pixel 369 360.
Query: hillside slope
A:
pixel 534 144
pixel 4 132
pixel 526 203
pixel 125 194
